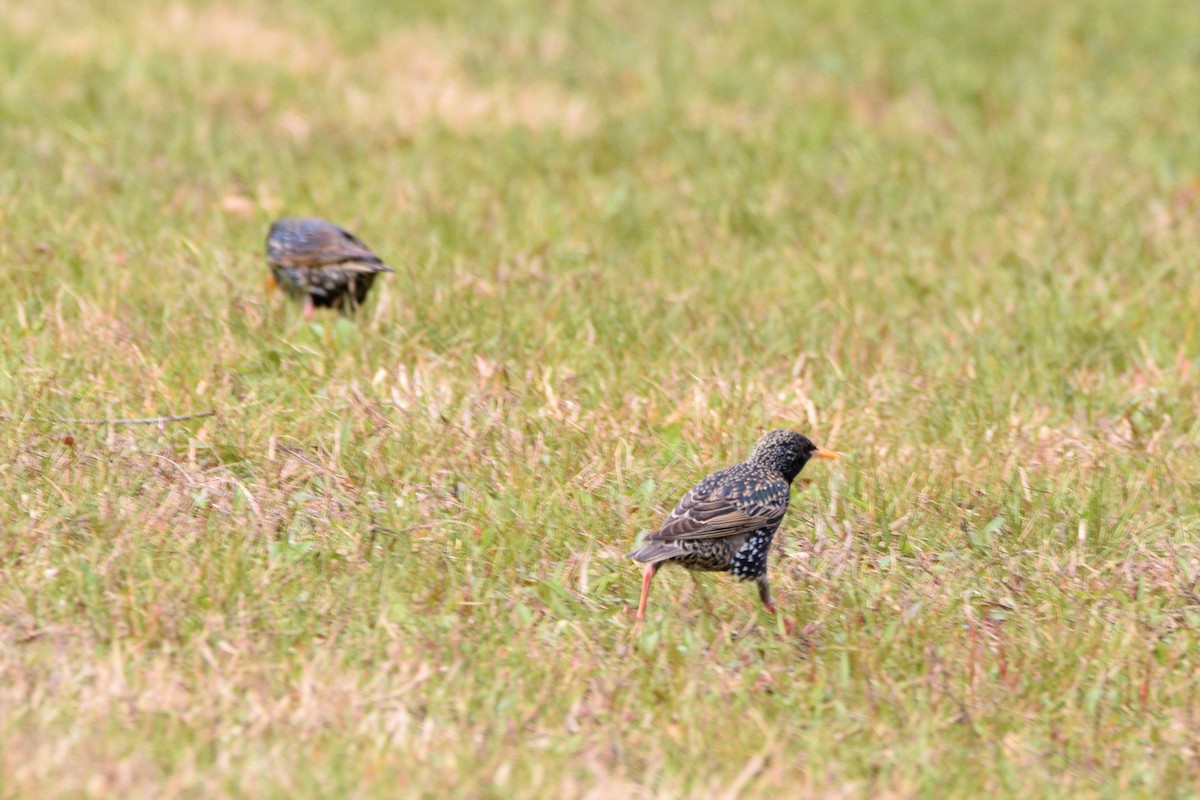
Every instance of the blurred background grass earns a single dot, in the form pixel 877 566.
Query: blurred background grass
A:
pixel 955 241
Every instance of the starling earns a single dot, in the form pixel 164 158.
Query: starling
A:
pixel 322 263
pixel 726 522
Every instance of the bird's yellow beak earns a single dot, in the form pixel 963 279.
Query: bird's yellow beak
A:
pixel 828 454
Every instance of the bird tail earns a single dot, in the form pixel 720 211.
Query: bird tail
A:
pixel 653 552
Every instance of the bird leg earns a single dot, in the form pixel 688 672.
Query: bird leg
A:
pixel 310 309
pixel 764 594
pixel 647 576
pixel 703 594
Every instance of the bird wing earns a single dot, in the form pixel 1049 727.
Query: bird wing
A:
pixel 714 509
pixel 314 243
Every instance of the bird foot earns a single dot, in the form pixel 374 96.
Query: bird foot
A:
pixel 789 627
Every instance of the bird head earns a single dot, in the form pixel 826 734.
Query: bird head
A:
pixel 786 452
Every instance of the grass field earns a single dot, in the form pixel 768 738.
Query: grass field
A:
pixel 957 242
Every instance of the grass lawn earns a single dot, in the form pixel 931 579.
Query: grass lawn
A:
pixel 958 242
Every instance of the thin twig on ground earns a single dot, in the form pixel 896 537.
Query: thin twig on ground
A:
pixel 130 421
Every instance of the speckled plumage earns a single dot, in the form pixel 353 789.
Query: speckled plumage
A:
pixel 322 263
pixel 727 521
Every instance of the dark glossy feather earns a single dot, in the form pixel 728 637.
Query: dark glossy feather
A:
pixel 731 502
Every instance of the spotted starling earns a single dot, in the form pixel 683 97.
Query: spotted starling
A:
pixel 322 263
pixel 726 522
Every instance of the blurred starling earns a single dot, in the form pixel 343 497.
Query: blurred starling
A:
pixel 726 523
pixel 322 263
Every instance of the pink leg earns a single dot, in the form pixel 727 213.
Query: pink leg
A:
pixel 309 309
pixel 764 593
pixel 647 576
